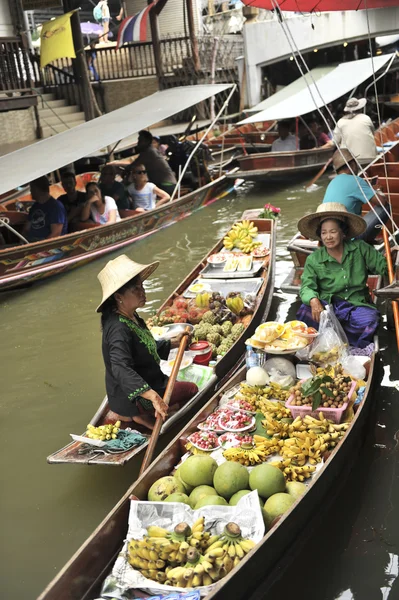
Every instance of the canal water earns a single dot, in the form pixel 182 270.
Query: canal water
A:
pixel 52 382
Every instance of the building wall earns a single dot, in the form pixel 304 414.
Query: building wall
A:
pixel 171 19
pixel 124 91
pixel 265 42
pixel 6 26
pixel 17 126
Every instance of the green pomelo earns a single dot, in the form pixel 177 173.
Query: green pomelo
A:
pixel 200 492
pixel 238 495
pixel 267 480
pixel 296 489
pixel 164 487
pixel 229 478
pixel 198 470
pixel 188 488
pixel 178 498
pixel 211 501
pixel 277 505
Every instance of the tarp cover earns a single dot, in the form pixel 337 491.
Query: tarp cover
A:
pixel 343 79
pixel 306 6
pixel 43 157
pixel 292 88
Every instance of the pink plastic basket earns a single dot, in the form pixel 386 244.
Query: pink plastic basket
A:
pixel 332 414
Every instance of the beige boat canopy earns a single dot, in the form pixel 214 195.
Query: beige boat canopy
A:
pixel 341 80
pixel 22 166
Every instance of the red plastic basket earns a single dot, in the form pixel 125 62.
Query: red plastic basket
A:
pixel 332 414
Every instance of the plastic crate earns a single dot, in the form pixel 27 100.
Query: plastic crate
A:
pixel 332 414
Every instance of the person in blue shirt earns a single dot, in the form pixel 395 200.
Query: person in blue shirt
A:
pixel 353 192
pixel 47 216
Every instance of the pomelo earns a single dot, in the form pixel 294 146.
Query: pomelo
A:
pixel 296 489
pixel 164 487
pixel 200 492
pixel 177 497
pixel 277 505
pixel 238 495
pixel 188 488
pixel 267 480
pixel 198 470
pixel 229 478
pixel 211 501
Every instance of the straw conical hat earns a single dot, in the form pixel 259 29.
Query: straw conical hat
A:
pixel 119 271
pixel 331 210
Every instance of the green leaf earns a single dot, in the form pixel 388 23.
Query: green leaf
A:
pixel 327 379
pixel 311 386
pixel 316 400
pixel 327 392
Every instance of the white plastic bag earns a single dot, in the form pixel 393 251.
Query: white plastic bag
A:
pixel 331 345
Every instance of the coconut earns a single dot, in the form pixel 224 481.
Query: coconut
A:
pixel 229 478
pixel 200 492
pixel 164 487
pixel 277 505
pixel 178 498
pixel 268 480
pixel 211 501
pixel 198 470
pixel 296 489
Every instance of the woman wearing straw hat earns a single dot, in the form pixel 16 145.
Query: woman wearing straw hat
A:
pixel 355 131
pixel 134 381
pixel 336 273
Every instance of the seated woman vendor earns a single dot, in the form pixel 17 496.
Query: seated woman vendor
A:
pixel 101 209
pixel 143 193
pixel 134 381
pixel 336 273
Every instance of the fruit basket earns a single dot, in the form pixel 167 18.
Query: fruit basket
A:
pixel 332 414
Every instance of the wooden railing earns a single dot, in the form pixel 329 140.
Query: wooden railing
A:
pixel 15 67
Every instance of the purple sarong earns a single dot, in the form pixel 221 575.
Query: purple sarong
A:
pixel 358 322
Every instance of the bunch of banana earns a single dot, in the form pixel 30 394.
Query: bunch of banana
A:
pixel 247 227
pixel 235 304
pixel 247 244
pixel 233 546
pixel 233 239
pixel 202 299
pixel 198 571
pixel 279 429
pixel 103 432
pixel 292 472
pixel 252 454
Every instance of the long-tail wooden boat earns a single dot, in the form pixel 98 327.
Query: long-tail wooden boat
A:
pixel 233 136
pixel 26 264
pixel 82 576
pixel 277 166
pixel 71 452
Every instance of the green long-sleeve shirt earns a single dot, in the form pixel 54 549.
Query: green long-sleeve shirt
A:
pixel 324 277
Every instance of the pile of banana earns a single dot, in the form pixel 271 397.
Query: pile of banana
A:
pixel 241 236
pixel 103 432
pixel 188 557
pixel 258 397
pixel 278 428
pixel 293 473
pixel 252 454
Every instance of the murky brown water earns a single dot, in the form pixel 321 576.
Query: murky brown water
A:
pixel 52 383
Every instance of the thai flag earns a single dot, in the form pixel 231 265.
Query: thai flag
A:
pixel 134 29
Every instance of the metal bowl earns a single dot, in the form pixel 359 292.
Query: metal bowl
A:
pixel 175 328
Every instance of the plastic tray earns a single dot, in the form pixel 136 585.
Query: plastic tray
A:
pixel 332 414
pixel 250 285
pixel 216 272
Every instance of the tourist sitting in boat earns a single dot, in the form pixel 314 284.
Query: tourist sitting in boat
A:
pixel 156 143
pixel 134 381
pixel 313 137
pixel 157 167
pixel 73 200
pixel 286 142
pixel 336 273
pixel 355 131
pixel 143 193
pixel 354 192
pixel 110 187
pixel 101 209
pixel 47 217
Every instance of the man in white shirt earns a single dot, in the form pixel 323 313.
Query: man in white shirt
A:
pixel 355 131
pixel 286 142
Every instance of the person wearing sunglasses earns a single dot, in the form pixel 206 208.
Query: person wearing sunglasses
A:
pixel 144 194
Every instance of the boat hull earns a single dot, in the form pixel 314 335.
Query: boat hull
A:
pixel 24 265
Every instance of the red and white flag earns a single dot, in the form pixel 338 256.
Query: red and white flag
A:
pixel 134 29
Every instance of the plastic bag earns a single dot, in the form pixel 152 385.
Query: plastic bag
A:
pixel 354 368
pixel 331 345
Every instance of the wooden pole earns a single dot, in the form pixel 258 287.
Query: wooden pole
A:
pixel 168 393
pixel 193 37
pixel 155 42
pixel 391 277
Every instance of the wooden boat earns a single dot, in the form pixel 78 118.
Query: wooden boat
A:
pixel 277 166
pixel 233 136
pixel 82 576
pixel 26 264
pixel 230 361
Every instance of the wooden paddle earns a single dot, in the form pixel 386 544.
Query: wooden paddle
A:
pixel 319 174
pixel 168 393
pixel 391 277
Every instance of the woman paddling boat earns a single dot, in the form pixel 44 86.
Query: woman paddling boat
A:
pixel 336 273
pixel 134 380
